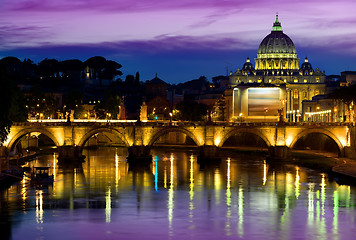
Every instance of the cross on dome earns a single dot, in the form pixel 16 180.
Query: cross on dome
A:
pixel 277 25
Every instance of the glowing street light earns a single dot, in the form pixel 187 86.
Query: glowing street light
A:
pixel 171 115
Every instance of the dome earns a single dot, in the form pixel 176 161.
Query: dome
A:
pixel 306 66
pixel 277 42
pixel 248 65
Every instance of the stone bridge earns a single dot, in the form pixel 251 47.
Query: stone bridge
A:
pixel 139 137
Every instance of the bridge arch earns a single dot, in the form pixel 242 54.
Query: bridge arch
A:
pixel 244 130
pixel 92 132
pixel 162 132
pixel 322 131
pixel 12 143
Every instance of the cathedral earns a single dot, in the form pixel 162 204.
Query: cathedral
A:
pixel 276 66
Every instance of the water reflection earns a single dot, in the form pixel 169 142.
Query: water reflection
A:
pixel 243 197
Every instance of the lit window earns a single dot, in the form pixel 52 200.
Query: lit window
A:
pixel 285 80
pixel 295 80
pixel 305 80
pixel 259 80
pixel 270 80
pixel 250 81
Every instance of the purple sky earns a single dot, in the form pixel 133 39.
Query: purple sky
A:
pixel 180 40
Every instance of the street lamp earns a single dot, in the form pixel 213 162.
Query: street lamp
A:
pixel 266 111
pixel 335 115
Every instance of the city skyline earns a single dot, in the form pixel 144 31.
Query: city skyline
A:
pixel 181 40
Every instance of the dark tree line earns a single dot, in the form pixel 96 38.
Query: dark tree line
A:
pixel 12 104
pixel 48 71
pixel 191 111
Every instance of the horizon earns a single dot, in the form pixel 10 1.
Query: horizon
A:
pixel 179 41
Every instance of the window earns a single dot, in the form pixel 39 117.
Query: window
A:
pixel 295 80
pixel 305 80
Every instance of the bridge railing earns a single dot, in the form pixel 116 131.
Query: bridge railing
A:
pixel 319 124
pixel 102 122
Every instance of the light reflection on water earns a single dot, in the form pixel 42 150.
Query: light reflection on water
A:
pixel 175 198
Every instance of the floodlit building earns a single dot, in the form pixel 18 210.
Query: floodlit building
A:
pixel 276 67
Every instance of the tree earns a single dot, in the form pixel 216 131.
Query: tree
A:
pixel 72 72
pixel 109 106
pixel 71 65
pixel 347 95
pixel 12 106
pixel 10 61
pixel 137 78
pixel 102 68
pixel 73 100
pixel 19 71
pixel 111 70
pixel 48 68
pixel 130 80
pixel 219 108
pixel 191 111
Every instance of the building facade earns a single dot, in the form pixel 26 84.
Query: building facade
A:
pixel 277 64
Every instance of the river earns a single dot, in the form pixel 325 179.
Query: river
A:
pixel 175 198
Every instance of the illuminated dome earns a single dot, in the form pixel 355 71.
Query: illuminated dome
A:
pixel 277 42
pixel 306 66
pixel 248 65
pixel 277 51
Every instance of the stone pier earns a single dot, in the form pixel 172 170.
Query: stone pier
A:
pixel 139 155
pixel 70 153
pixel 208 154
pixel 279 153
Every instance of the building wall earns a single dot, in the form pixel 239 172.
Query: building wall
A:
pixel 298 88
pixel 252 103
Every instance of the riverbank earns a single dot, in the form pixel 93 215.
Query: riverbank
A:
pixel 341 169
pixel 11 170
pixel 317 161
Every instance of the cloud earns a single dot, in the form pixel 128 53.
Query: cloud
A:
pixel 177 44
pixel 124 5
pixel 14 35
pixel 161 25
